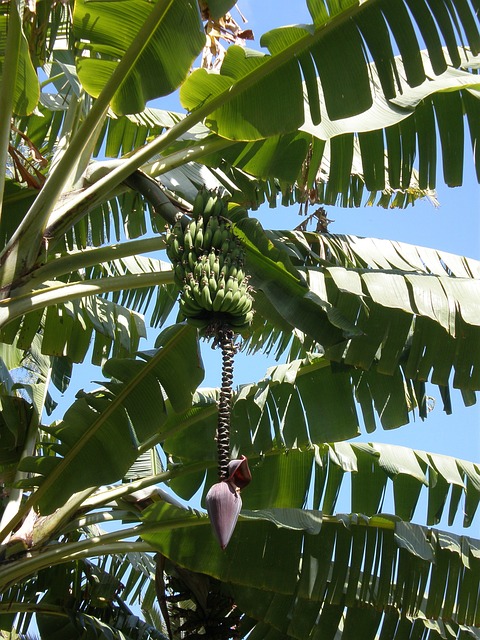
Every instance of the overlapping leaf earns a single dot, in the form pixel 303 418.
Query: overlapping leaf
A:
pixel 404 301
pixel 283 424
pixel 103 431
pixel 273 274
pixel 300 573
pixel 160 300
pixel 68 329
pixel 96 589
pixel 376 151
pixel 26 86
pixel 355 34
pixel 105 31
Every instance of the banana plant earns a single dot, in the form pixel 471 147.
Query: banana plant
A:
pixel 94 520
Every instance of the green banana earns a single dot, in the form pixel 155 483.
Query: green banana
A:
pixel 212 259
pixel 219 207
pixel 187 240
pixel 208 260
pixel 197 294
pixel 218 300
pixel 227 301
pixel 178 230
pixel 217 237
pixel 179 272
pixel 213 285
pixel 198 204
pixel 207 238
pixel 192 228
pixel 236 299
pixel 212 224
pixel 245 305
pixel 192 259
pixel 188 305
pixel 241 322
pixel 232 284
pixel 188 310
pixel 198 244
pixel 206 297
pixel 209 207
pixel 224 271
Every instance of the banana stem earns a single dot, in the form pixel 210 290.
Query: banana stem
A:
pixel 225 338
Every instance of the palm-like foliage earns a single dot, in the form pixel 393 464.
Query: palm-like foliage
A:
pixel 89 177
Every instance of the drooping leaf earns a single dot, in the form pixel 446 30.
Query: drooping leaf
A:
pixel 27 89
pixel 111 425
pixel 311 472
pixel 68 329
pixel 403 301
pixel 343 91
pixel 274 275
pixel 310 578
pixel 105 31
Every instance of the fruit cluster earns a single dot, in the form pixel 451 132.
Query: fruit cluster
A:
pixel 208 266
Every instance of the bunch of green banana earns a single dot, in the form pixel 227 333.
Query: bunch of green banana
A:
pixel 208 267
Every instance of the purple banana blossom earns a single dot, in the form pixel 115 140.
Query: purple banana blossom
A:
pixel 223 503
pixel 239 472
pixel 223 500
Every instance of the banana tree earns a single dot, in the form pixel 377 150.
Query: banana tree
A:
pixel 92 516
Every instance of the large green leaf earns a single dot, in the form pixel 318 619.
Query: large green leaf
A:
pixel 156 300
pixel 379 158
pixel 85 598
pixel 299 572
pixel 105 31
pixel 283 424
pixel 113 319
pixel 102 433
pixel 15 418
pixel 403 300
pixel 17 199
pixel 298 405
pixel 286 290
pixel 250 172
pixel 26 89
pixel 24 396
pixel 68 329
pixel 353 34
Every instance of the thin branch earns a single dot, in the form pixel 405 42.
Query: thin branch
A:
pixel 152 191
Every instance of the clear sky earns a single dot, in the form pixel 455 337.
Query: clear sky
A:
pixel 453 227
